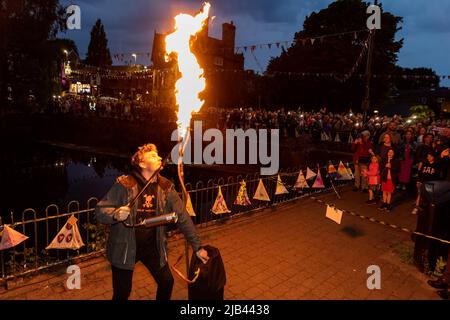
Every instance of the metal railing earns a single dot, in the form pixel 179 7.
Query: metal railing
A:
pixel 31 255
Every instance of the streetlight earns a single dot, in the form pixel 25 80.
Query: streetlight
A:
pixel 134 55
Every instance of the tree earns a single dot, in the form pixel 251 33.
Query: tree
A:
pixel 335 56
pixel 98 52
pixel 56 56
pixel 416 79
pixel 26 26
pixel 422 112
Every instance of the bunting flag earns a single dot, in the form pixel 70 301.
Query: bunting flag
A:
pixel 337 138
pixel 10 238
pixel 301 182
pixel 261 192
pixel 323 136
pixel 331 169
pixel 189 207
pixel 220 206
pixel 281 189
pixel 350 139
pixel 343 172
pixel 68 237
pixel 318 184
pixel 334 214
pixel 242 197
pixel 310 174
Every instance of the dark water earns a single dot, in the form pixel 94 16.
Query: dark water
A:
pixel 35 175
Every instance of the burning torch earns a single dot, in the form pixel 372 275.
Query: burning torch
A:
pixel 191 82
pixel 187 90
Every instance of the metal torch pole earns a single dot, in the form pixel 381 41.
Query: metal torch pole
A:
pixel 182 146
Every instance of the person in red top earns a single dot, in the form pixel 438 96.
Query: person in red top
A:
pixel 361 159
pixel 390 168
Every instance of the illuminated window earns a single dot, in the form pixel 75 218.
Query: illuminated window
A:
pixel 218 61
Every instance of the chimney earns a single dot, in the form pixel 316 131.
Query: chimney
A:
pixel 228 35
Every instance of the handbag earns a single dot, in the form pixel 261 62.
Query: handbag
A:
pixel 208 279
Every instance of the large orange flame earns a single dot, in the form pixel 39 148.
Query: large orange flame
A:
pixel 192 82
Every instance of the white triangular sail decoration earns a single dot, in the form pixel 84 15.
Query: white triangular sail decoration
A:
pixel 318 184
pixel 350 171
pixel 337 138
pixel 301 182
pixel 242 198
pixel 261 192
pixel 350 139
pixel 68 237
pixel 310 174
pixel 331 169
pixel 220 206
pixel 189 207
pixel 10 238
pixel 343 172
pixel 281 189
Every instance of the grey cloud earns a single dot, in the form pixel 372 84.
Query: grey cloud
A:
pixel 130 24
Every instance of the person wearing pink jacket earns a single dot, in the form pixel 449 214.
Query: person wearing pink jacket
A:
pixel 373 180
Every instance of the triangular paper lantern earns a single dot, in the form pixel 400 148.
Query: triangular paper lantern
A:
pixel 242 197
pixel 261 193
pixel 350 171
pixel 10 238
pixel 318 184
pixel 68 237
pixel 350 139
pixel 301 182
pixel 343 172
pixel 189 207
pixel 220 206
pixel 281 189
pixel 310 174
pixel 337 138
pixel 331 169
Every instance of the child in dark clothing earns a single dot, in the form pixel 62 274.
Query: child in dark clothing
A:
pixel 430 171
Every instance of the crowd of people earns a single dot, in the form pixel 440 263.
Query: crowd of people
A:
pixel 112 108
pixel 294 123
pixel 395 160
pixel 291 123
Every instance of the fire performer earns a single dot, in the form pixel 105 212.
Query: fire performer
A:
pixel 130 240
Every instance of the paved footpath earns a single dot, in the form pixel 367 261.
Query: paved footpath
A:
pixel 292 252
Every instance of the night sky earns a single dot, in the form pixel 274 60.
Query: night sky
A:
pixel 130 26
